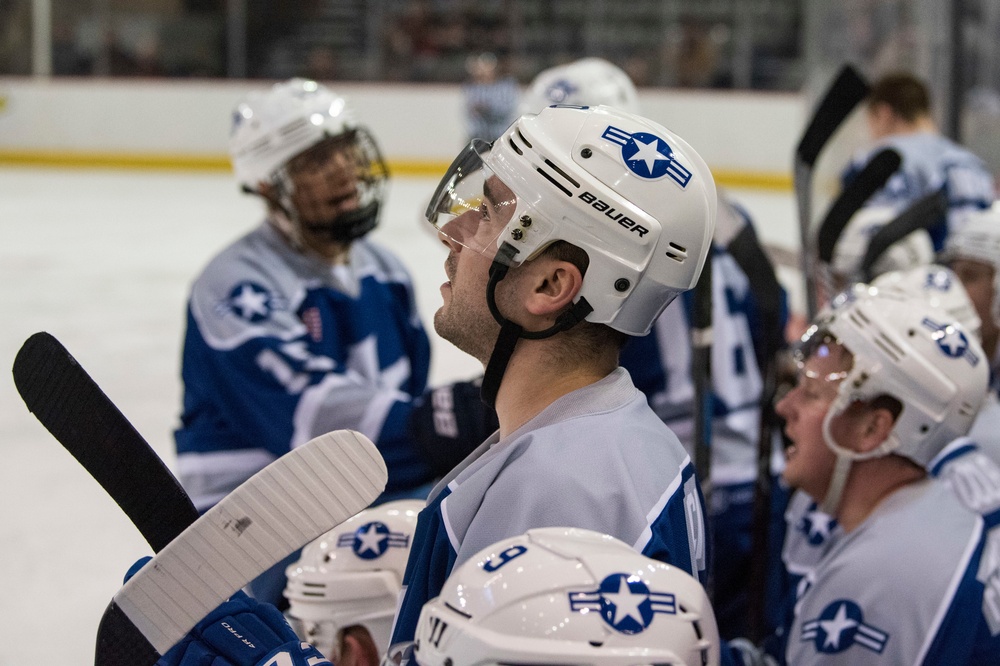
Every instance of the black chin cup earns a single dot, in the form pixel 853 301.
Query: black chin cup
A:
pixel 348 226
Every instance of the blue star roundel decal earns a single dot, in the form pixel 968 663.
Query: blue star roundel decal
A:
pixel 625 603
pixel 372 540
pixel 951 341
pixel 841 625
pixel 648 156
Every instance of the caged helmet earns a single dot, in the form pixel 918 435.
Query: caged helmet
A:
pixel 588 81
pixel 978 239
pixel 352 575
pixel 300 126
pixel 561 595
pixel 630 193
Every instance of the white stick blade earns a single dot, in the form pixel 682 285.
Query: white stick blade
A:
pixel 292 501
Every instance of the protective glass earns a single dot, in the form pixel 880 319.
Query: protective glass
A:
pixel 820 343
pixel 471 205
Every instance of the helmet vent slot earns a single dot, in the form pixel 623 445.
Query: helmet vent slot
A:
pixel 526 142
pixel 562 173
pixel 554 182
pixel 452 608
pixel 514 146
pixel 676 252
pixel 889 347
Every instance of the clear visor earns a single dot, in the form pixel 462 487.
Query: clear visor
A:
pixel 471 205
pixel 827 351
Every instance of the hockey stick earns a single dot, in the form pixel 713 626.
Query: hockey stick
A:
pixel 868 181
pixel 843 95
pixel 71 406
pixel 289 503
pixel 921 214
pixel 746 250
pixel 701 370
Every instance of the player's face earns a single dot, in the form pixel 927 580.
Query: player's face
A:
pixel 977 278
pixel 325 180
pixel 809 460
pixel 464 318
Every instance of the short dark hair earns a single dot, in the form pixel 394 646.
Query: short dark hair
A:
pixel 592 337
pixel 904 93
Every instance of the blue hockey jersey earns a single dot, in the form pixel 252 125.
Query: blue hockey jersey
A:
pixel 282 347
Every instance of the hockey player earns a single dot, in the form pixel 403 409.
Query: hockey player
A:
pixel 591 599
pixel 744 309
pixel 303 325
pixel 886 382
pixel 899 117
pixel 575 229
pixel 973 252
pixel 342 591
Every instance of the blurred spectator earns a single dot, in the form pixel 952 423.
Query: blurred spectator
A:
pixel 693 55
pixel 490 99
pixel 321 64
pixel 15 37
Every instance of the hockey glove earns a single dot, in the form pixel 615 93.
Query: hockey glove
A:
pixel 449 422
pixel 240 632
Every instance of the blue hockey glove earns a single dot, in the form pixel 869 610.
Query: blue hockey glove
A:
pixel 240 632
pixel 449 422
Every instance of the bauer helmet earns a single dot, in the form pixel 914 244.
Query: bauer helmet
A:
pixel 567 596
pixel 588 81
pixel 352 575
pixel 849 252
pixel 978 239
pixel 904 348
pixel 321 168
pixel 630 193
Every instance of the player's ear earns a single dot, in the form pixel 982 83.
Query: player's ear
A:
pixel 553 284
pixel 877 422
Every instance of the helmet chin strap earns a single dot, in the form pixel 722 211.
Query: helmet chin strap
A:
pixel 511 332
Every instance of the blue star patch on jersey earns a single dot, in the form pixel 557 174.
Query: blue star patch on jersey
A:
pixel 648 156
pixel 938 281
pixel 816 526
pixel 372 540
pixel 250 301
pixel 841 625
pixel 951 341
pixel 625 603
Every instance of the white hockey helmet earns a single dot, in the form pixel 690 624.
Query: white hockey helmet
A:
pixel 939 286
pixel 915 249
pixel 588 81
pixel 905 348
pixel 567 596
pixel 978 239
pixel 352 575
pixel 630 193
pixel 272 128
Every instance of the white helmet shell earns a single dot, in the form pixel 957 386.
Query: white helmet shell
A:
pixel 352 575
pixel 588 81
pixel 567 596
pixel 629 192
pixel 915 249
pixel 905 348
pixel 271 127
pixel 978 239
pixel 939 286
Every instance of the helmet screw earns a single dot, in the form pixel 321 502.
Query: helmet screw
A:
pixel 525 220
pixel 621 284
pixel 586 153
pixel 516 234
